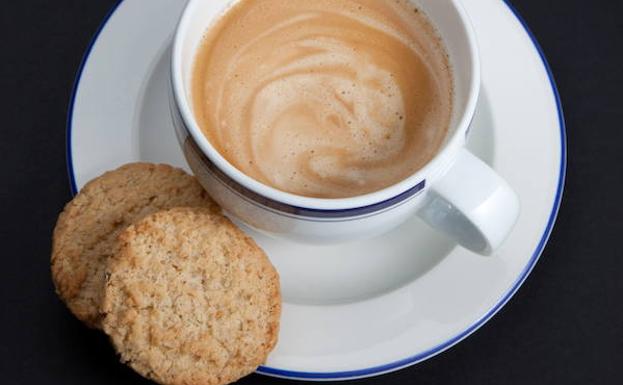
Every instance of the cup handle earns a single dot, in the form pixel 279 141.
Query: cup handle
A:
pixel 472 204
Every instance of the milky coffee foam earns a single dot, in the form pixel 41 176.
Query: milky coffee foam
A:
pixel 324 98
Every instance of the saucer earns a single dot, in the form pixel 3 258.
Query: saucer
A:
pixel 369 307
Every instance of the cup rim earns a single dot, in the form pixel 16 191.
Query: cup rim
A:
pixel 312 203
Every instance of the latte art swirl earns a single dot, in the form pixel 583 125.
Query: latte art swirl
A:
pixel 328 98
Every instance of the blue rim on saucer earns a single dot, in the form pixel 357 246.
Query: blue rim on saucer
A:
pixel 450 342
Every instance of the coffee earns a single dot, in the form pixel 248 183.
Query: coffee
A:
pixel 324 98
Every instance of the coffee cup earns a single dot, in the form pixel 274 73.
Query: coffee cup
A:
pixel 454 192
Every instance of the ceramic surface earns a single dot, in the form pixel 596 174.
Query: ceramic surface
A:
pixel 363 308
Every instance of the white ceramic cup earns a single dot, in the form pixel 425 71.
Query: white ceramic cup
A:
pixel 455 192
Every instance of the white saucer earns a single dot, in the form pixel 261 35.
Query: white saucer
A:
pixel 370 307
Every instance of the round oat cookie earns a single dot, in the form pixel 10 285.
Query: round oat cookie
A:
pixel 190 299
pixel 87 229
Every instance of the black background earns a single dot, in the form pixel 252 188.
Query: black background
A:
pixel 564 326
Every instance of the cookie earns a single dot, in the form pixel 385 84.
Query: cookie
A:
pixel 87 229
pixel 190 299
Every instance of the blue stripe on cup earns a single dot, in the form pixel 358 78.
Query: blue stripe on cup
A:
pixel 291 210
